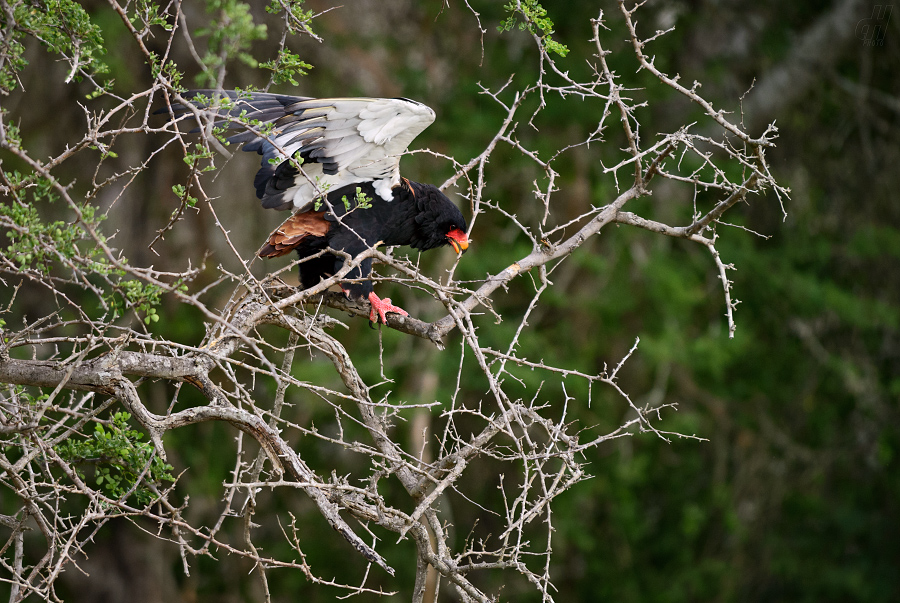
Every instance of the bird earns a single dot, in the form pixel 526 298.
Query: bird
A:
pixel 336 163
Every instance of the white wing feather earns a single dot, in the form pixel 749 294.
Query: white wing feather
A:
pixel 363 137
pixel 341 141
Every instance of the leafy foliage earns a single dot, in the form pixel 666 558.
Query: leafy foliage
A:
pixel 123 465
pixel 286 68
pixel 229 36
pixel 62 26
pixel 535 21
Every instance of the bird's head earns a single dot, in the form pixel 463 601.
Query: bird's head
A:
pixel 458 239
pixel 439 222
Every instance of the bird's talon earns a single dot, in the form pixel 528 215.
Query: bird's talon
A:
pixel 382 307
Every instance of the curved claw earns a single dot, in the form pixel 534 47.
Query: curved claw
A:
pixel 382 307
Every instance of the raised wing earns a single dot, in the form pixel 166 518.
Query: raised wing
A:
pixel 340 141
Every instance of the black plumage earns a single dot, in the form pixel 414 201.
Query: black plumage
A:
pixel 342 150
pixel 419 215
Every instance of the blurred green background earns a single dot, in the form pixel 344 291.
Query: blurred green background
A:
pixel 794 497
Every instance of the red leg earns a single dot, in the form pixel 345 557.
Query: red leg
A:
pixel 382 307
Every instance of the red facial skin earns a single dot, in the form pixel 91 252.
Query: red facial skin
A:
pixel 458 240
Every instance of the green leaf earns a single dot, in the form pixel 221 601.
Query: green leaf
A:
pixel 285 67
pixel 535 21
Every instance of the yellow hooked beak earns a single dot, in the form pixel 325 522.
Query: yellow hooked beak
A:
pixel 458 240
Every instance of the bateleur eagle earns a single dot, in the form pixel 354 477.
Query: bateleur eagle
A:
pixel 348 150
